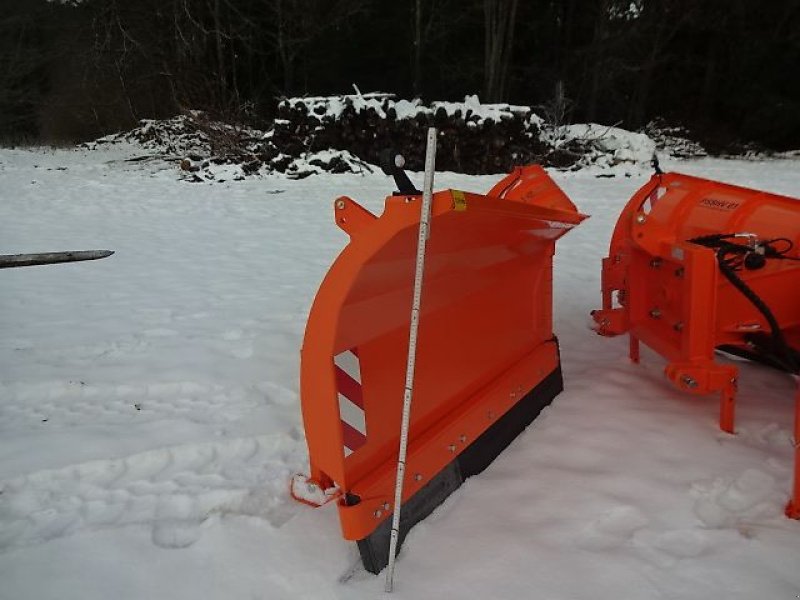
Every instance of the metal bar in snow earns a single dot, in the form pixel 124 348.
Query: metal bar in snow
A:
pixel 10 261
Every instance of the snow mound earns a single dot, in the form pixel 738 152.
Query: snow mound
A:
pixel 602 147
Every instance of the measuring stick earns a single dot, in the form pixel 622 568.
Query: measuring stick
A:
pixel 424 224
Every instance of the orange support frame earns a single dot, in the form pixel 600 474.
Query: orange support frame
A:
pixel 793 508
pixel 485 335
pixel 670 294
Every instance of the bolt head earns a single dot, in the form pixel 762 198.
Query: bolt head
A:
pixel 340 204
pixel 452 447
pixel 378 514
pixel 417 476
pixel 640 218
pixel 689 382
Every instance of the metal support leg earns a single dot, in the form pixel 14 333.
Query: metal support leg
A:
pixel 727 409
pixel 793 508
pixel 633 349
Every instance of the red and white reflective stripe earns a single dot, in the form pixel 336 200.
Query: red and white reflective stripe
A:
pixel 351 401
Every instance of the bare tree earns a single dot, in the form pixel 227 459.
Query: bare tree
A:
pixel 296 24
pixel 432 20
pixel 500 19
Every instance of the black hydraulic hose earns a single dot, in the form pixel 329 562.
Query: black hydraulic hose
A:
pixel 788 361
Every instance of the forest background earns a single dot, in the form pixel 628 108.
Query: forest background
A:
pixel 729 70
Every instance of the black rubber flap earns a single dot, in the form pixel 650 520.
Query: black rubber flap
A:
pixel 475 458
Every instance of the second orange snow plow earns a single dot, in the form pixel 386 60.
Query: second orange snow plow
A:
pixel 698 267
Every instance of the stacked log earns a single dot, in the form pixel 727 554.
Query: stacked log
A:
pixel 469 141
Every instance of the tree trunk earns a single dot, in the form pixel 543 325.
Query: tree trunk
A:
pixel 221 76
pixel 283 49
pixel 417 85
pixel 596 60
pixel 500 18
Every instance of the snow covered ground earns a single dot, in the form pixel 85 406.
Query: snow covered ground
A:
pixel 149 413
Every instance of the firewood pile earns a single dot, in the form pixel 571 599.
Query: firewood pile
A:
pixel 473 138
pixel 674 140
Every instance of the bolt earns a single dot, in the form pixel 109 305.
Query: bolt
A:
pixel 462 439
pixel 417 476
pixel 386 506
pixel 656 262
pixel 689 382
pixel 679 272
pixel 640 218
pixel 452 447
pixel 378 514
pixel 678 326
pixel 656 313
pixel 340 204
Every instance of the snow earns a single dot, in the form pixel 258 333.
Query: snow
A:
pixel 150 423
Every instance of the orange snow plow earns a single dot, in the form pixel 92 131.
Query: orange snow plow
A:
pixel 487 361
pixel 695 267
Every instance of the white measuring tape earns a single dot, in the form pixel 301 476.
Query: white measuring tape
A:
pixel 424 224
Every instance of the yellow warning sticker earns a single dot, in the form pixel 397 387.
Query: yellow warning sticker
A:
pixel 459 201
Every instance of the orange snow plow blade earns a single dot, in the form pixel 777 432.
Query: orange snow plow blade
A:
pixel 697 266
pixel 487 361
